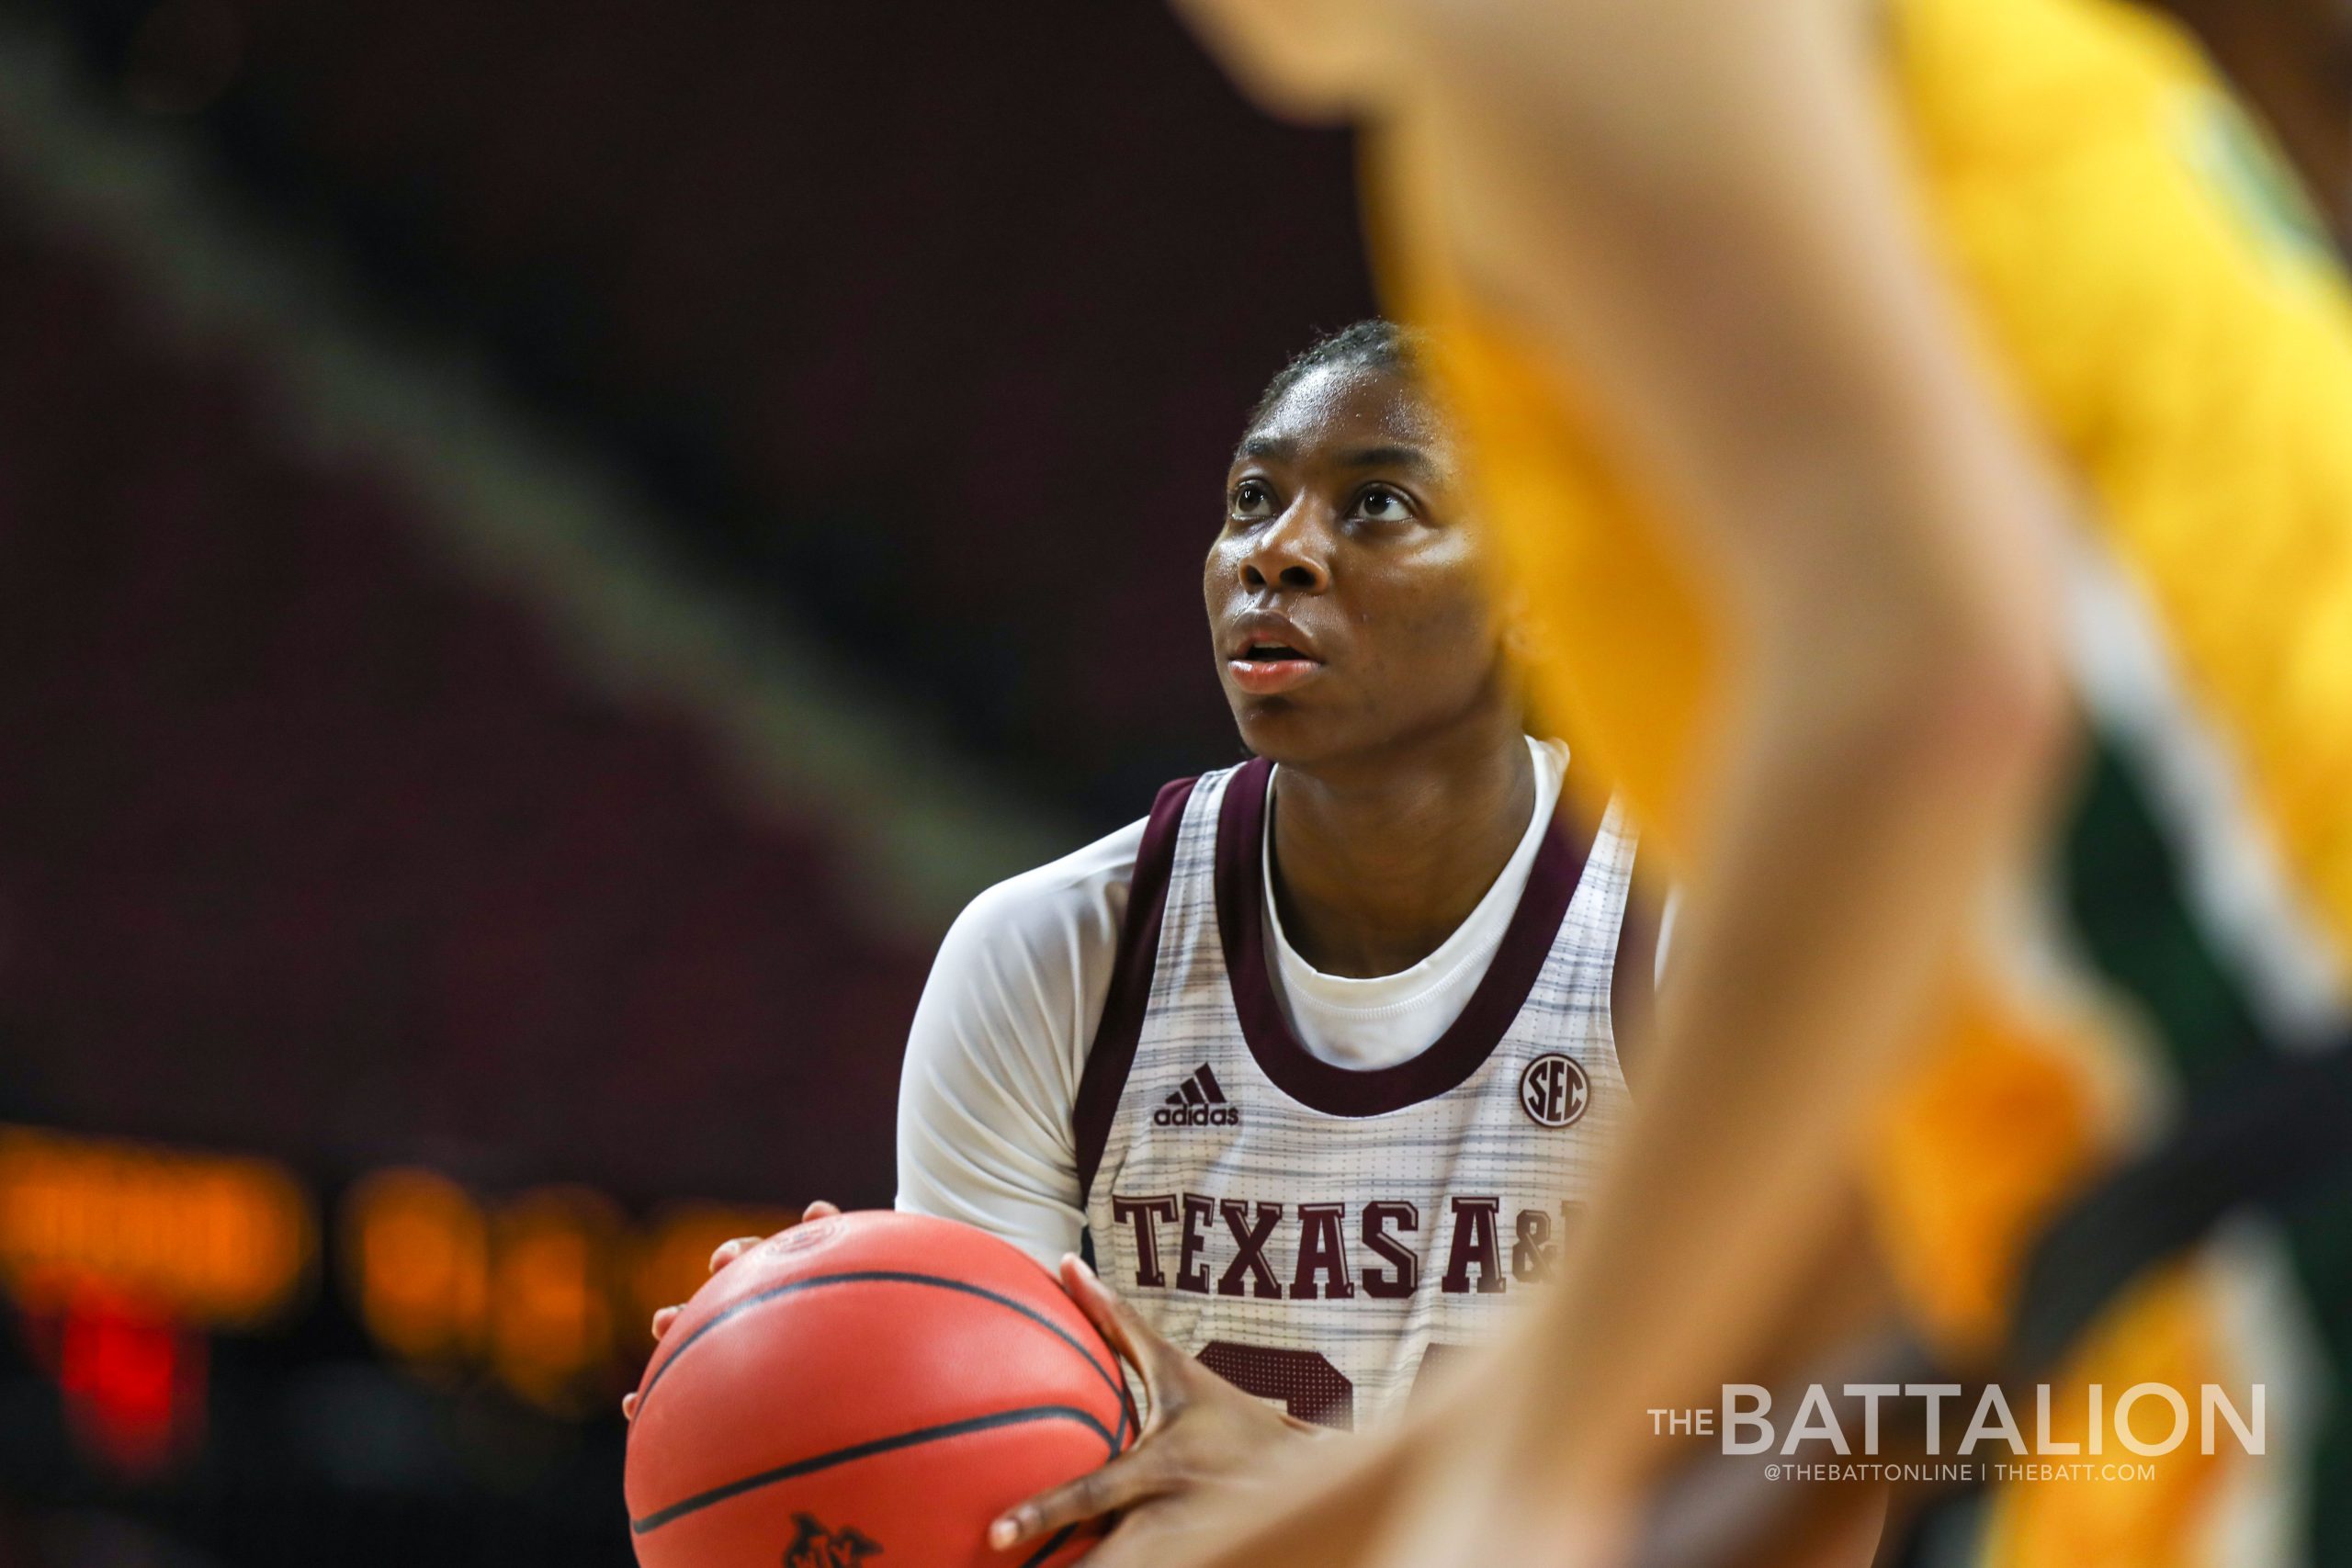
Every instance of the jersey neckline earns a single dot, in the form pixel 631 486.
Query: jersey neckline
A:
pixel 1466 1044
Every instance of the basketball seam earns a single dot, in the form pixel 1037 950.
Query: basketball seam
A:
pixel 701 1500
pixel 892 1277
pixel 1053 1544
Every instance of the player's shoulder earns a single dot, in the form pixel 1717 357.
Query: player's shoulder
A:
pixel 1072 905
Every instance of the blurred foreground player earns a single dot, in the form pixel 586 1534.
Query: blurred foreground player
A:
pixel 1887 639
pixel 1321 1054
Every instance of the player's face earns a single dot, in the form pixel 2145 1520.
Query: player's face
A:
pixel 1347 599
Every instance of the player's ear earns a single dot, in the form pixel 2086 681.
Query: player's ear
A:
pixel 1514 622
pixel 1516 638
pixel 1517 644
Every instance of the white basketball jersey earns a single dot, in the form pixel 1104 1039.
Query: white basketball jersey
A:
pixel 1318 1235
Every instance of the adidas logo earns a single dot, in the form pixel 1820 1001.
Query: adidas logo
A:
pixel 1199 1103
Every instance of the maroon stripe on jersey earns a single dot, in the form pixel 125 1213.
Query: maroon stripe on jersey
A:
pixel 1113 1050
pixel 1633 985
pixel 1459 1052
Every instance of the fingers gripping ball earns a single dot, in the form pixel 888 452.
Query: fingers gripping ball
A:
pixel 875 1385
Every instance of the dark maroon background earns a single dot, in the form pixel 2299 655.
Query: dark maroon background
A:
pixel 927 327
pixel 931 325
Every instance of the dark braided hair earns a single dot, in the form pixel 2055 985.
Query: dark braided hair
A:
pixel 1374 343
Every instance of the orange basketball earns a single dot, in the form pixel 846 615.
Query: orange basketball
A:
pixel 874 1384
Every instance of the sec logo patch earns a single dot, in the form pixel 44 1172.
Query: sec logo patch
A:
pixel 1554 1091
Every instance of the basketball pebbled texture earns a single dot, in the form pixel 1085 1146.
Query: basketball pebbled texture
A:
pixel 869 1384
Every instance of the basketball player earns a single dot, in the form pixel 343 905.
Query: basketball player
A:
pixel 1869 593
pixel 1320 1055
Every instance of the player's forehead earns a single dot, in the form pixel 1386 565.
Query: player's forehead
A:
pixel 1335 409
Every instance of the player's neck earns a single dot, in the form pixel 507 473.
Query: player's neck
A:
pixel 1376 864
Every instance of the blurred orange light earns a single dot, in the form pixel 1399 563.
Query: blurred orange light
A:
pixel 551 1308
pixel 225 1241
pixel 417 1254
pixel 674 1258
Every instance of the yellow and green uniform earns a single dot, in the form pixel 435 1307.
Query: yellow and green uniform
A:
pixel 2166 310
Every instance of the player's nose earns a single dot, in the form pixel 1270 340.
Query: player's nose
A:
pixel 1292 552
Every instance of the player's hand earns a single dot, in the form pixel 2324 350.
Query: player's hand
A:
pixel 727 1252
pixel 1440 1490
pixel 1204 1434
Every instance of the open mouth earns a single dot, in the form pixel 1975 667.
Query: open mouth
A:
pixel 1265 668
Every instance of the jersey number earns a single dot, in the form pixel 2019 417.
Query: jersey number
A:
pixel 1302 1382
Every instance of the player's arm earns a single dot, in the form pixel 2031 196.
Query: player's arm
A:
pixel 986 1107
pixel 993 1058
pixel 994 1054
pixel 1694 209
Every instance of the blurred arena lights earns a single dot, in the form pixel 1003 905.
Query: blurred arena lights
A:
pixel 120 1257
pixel 227 1242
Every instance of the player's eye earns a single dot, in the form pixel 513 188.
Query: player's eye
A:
pixel 1380 504
pixel 1251 500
